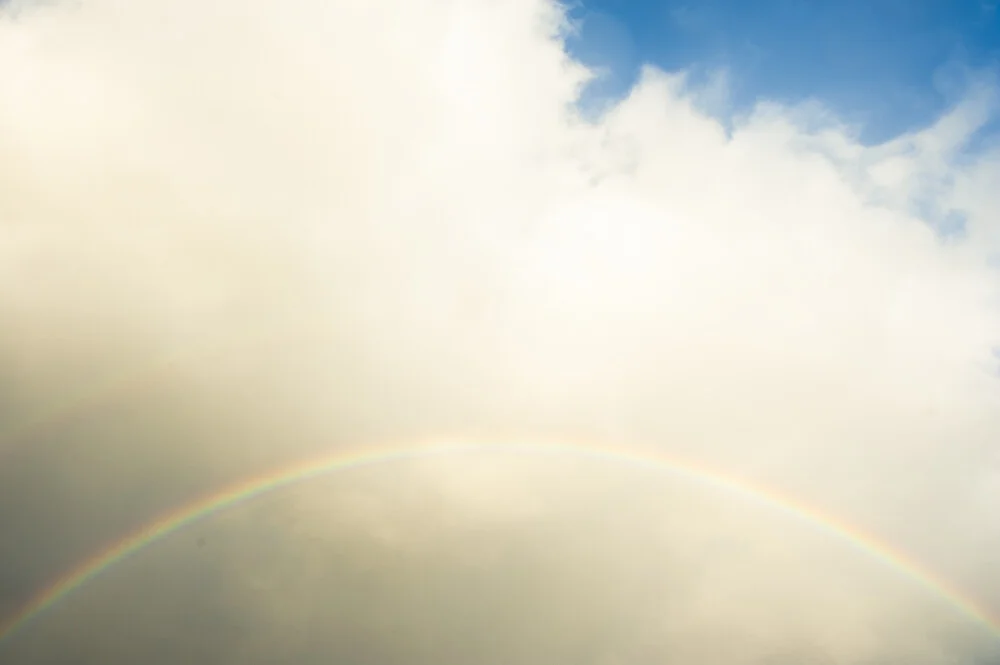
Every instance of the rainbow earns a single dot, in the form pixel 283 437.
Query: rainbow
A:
pixel 344 460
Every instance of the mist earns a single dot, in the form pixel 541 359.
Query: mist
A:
pixel 237 235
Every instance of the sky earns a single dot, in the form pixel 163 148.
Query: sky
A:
pixel 239 235
pixel 885 66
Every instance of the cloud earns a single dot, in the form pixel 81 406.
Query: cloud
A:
pixel 274 230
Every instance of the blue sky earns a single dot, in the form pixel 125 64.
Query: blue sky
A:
pixel 883 65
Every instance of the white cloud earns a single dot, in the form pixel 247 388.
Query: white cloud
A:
pixel 390 212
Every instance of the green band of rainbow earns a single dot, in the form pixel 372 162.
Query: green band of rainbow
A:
pixel 352 459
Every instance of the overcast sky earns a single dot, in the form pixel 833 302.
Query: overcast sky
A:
pixel 238 234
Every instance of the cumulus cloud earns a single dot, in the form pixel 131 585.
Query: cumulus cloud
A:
pixel 235 234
